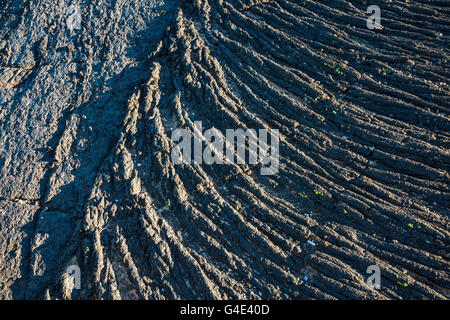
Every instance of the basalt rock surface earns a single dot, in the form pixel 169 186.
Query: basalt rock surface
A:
pixel 86 176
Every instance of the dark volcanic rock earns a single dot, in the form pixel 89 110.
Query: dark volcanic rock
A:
pixel 86 176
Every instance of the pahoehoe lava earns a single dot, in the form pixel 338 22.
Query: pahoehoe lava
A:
pixel 86 175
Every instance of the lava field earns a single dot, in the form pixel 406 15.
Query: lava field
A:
pixel 87 178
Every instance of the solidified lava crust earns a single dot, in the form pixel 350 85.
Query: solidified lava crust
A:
pixel 87 179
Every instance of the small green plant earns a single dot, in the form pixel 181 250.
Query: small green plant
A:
pixel 334 67
pixel 86 254
pixel 307 99
pixel 303 195
pixel 384 71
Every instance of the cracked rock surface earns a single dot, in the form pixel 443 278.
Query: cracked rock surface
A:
pixel 86 176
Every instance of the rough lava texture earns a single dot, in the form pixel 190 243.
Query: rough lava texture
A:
pixel 86 177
